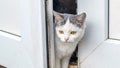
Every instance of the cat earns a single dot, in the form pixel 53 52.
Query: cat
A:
pixel 69 30
pixel 67 6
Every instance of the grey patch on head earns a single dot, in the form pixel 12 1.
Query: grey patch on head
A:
pixel 74 21
pixel 77 20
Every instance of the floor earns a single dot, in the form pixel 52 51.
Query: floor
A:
pixel 73 66
pixel 2 66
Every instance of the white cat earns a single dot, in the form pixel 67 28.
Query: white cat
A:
pixel 69 30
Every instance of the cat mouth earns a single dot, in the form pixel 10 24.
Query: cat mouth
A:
pixel 67 42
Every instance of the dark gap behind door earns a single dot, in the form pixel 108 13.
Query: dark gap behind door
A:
pixel 2 66
pixel 70 7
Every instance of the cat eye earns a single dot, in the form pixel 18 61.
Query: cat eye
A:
pixel 73 32
pixel 61 32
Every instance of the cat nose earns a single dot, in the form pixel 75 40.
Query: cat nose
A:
pixel 66 39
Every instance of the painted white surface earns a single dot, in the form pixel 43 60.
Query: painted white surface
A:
pixel 30 50
pixel 51 33
pixel 13 54
pixel 96 29
pixel 10 36
pixel 94 51
pixel 105 56
pixel 10 16
pixel 33 31
pixel 115 19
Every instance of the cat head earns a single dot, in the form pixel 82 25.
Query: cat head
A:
pixel 69 27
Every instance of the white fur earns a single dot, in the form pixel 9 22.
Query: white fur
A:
pixel 63 49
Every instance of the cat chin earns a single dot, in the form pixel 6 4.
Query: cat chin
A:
pixel 67 41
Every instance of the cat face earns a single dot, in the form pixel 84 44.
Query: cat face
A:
pixel 69 27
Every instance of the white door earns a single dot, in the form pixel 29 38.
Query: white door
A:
pixel 100 47
pixel 12 53
pixel 21 40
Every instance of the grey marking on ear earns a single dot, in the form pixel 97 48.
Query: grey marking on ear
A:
pixel 81 17
pixel 59 18
pixel 78 20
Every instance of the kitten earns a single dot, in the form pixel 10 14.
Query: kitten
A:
pixel 69 7
pixel 69 30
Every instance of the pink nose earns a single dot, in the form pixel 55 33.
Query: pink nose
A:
pixel 66 39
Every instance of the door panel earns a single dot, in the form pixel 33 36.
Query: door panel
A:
pixel 105 56
pixel 96 29
pixel 10 16
pixel 114 12
pixel 13 54
pixel 30 51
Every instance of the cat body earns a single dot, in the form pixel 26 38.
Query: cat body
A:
pixel 63 53
pixel 69 30
pixel 64 49
pixel 70 7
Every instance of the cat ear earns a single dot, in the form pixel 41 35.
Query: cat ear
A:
pixel 81 18
pixel 58 17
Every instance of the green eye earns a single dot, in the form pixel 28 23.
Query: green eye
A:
pixel 73 32
pixel 61 32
